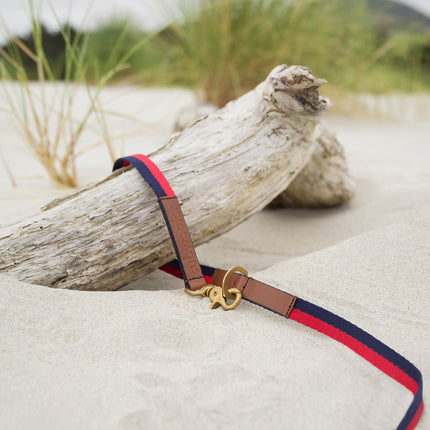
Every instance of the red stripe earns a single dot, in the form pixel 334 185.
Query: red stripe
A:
pixel 171 271
pixel 367 353
pixel 156 173
pixel 416 417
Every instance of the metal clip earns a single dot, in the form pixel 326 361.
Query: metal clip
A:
pixel 219 295
pixel 218 299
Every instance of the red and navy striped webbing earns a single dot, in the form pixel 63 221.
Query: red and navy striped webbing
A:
pixel 371 349
pixel 149 171
pixel 172 213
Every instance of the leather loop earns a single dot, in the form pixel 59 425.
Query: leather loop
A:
pixel 182 243
pixel 258 292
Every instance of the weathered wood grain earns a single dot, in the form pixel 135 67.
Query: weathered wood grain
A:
pixel 324 181
pixel 223 168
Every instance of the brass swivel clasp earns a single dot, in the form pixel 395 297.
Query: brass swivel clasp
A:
pixel 220 295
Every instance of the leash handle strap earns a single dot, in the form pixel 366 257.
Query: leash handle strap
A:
pixel 184 249
pixel 371 349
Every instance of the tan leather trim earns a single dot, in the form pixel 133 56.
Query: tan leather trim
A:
pixel 218 276
pixel 258 292
pixel 182 241
pixel 196 284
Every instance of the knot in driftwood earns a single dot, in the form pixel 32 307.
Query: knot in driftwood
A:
pixel 295 89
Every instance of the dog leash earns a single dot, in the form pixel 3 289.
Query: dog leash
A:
pixel 228 288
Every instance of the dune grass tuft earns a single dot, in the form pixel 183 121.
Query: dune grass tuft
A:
pixel 226 47
pixel 44 111
pixel 223 47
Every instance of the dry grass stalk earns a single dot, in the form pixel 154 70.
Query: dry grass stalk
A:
pixel 45 116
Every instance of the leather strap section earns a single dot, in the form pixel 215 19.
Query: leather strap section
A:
pixel 257 292
pixel 182 243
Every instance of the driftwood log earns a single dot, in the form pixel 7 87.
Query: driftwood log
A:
pixel 324 181
pixel 223 168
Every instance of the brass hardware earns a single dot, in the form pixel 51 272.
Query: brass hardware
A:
pixel 216 295
pixel 219 295
pixel 204 291
pixel 225 291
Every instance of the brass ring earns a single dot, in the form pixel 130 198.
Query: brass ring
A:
pixel 230 272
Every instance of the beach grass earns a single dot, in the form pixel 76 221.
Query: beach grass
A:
pixel 44 113
pixel 226 48
pixel 220 47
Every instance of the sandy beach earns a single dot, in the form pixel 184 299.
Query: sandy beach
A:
pixel 151 357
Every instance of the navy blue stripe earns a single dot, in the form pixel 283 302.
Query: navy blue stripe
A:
pixel 374 344
pixel 174 263
pixel 206 270
pixel 414 406
pixel 144 171
pixel 359 334
pixel 175 246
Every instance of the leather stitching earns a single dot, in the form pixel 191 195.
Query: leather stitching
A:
pixel 198 277
pixel 290 307
pixel 246 284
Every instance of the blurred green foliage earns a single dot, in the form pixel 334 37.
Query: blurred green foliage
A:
pixel 226 47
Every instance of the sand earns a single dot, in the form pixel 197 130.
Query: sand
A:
pixel 152 357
